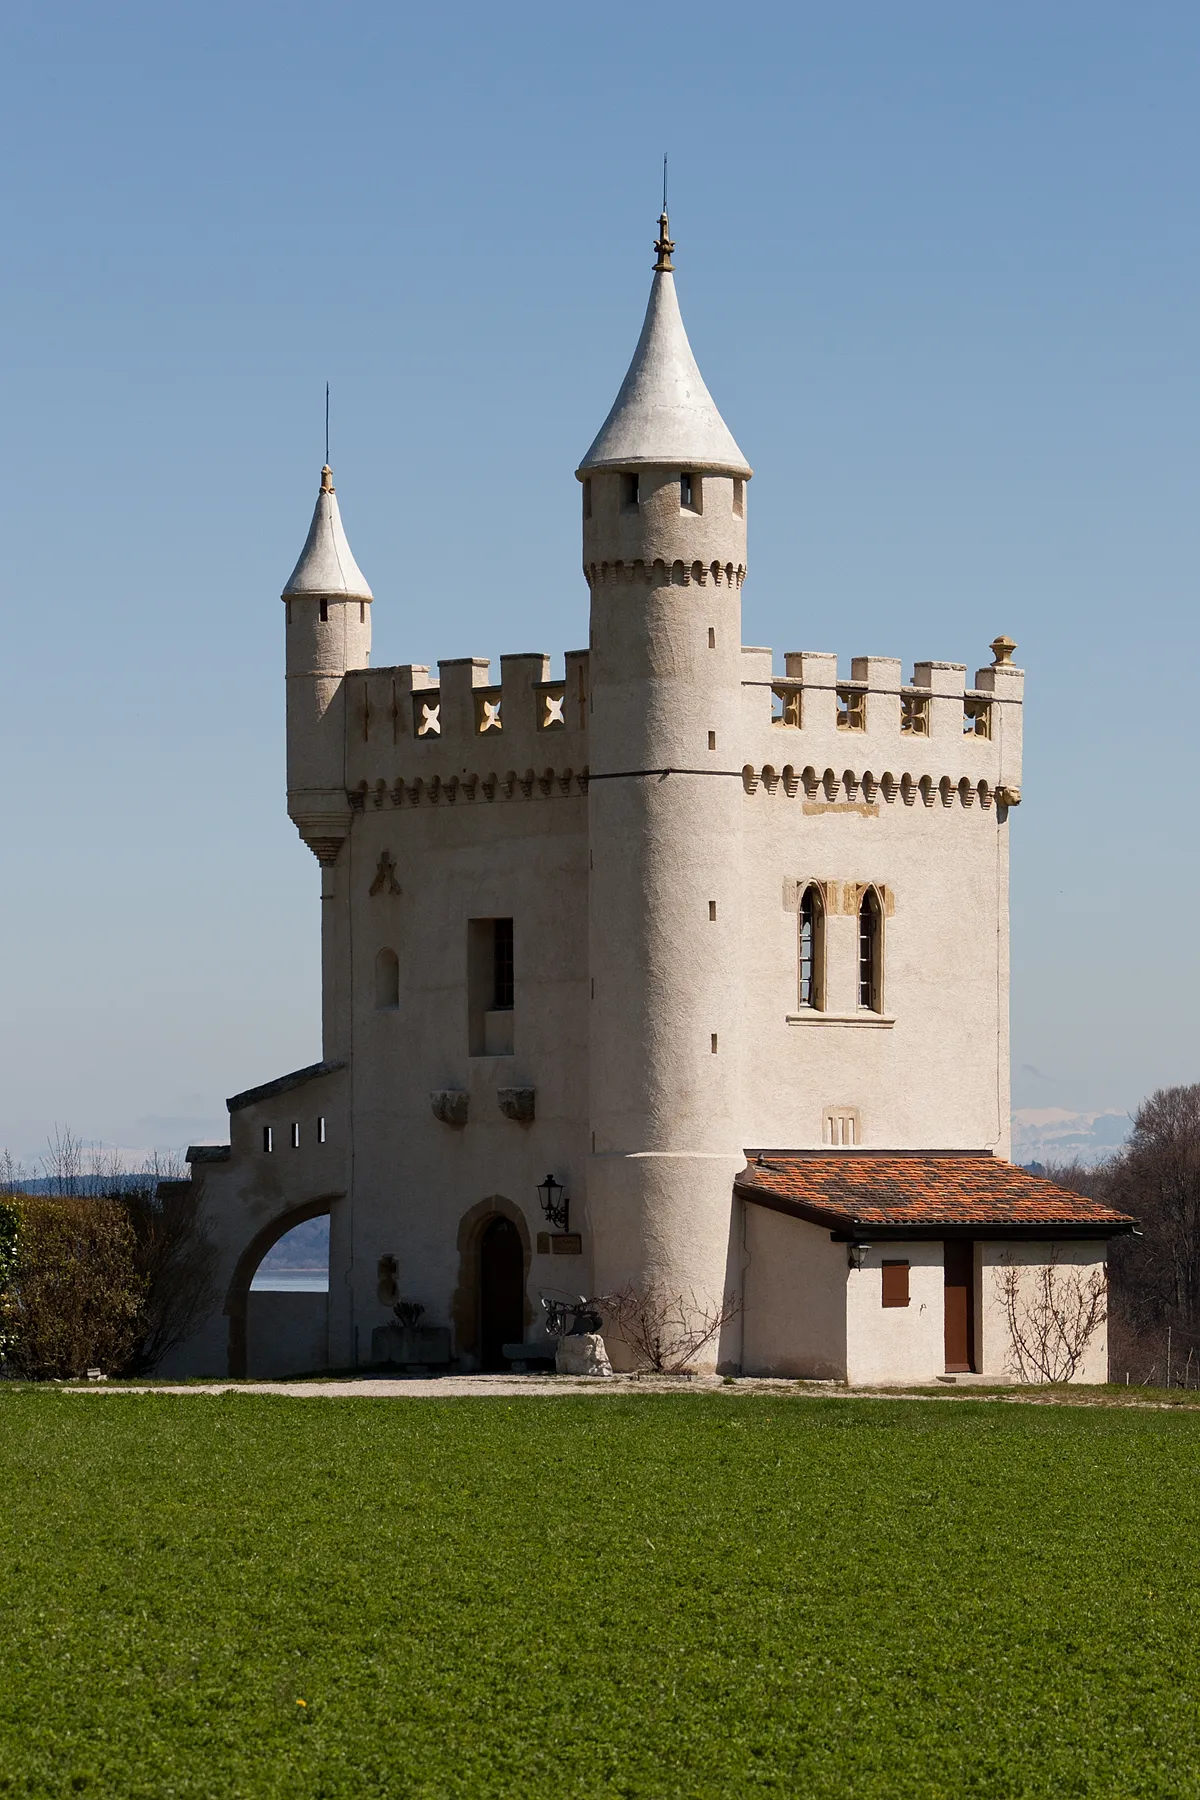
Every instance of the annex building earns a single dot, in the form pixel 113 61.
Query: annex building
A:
pixel 664 968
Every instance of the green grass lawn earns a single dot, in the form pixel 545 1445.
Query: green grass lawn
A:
pixel 674 1595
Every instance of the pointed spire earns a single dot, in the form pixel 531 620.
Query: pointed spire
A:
pixel 326 565
pixel 664 414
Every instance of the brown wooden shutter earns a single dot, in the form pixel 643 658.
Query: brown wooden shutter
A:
pixel 895 1284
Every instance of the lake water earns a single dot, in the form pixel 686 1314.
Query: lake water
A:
pixel 290 1281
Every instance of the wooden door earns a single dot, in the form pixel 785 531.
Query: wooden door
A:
pixel 959 1259
pixel 501 1292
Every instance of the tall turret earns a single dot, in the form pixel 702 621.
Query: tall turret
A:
pixel 664 551
pixel 328 632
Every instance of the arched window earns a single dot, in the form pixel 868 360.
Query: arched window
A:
pixel 811 921
pixel 870 952
pixel 387 979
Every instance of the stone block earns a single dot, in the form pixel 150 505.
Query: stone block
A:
pixel 450 1105
pixel 582 1355
pixel 425 1344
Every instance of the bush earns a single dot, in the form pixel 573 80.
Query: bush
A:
pixel 72 1291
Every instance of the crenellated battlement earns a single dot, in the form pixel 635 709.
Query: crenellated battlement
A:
pixel 935 723
pixel 406 730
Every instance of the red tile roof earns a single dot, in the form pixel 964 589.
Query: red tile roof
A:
pixel 928 1193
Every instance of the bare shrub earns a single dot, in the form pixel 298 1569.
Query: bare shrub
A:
pixel 666 1332
pixel 175 1262
pixel 74 1295
pixel 1053 1313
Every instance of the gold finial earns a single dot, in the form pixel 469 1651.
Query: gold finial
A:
pixel 663 244
pixel 1002 649
pixel 327 480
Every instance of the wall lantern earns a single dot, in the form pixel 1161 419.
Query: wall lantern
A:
pixel 555 1204
pixel 857 1254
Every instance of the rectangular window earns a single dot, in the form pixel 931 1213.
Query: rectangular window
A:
pixel 321 1129
pixel 491 988
pixel 739 497
pixel 712 740
pixel 587 496
pixel 323 608
pixel 852 709
pixel 630 492
pixel 689 493
pixel 977 718
pixel 268 1139
pixel 895 1284
pixel 295 1135
pixel 914 714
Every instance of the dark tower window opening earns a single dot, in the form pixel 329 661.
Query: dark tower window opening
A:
pixel 630 492
pixel 870 953
pixel 362 612
pixel 502 965
pixel 323 608
pixel 587 496
pixel 689 493
pixel 739 497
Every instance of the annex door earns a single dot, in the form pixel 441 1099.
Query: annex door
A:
pixel 960 1306
pixel 501 1292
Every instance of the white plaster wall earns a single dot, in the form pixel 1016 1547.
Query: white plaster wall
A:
pixel 286 1334
pixel 413 1177
pixel 932 1070
pixel 994 1343
pixel 794 1309
pixel 896 1343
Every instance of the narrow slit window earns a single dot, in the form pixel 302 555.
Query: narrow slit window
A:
pixel 268 1138
pixel 630 492
pixel 712 638
pixel 587 496
pixel 362 612
pixel 689 492
pixel 712 740
pixel 502 965
pixel 870 953
pixel 811 946
pixel 321 1129
pixel 387 980
pixel 323 609
pixel 739 497
pixel 295 1135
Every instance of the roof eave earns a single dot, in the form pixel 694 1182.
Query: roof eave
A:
pixel 693 465
pixel 844 1228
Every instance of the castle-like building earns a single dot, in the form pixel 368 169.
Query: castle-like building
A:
pixel 669 975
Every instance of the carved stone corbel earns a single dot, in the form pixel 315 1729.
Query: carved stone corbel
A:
pixel 450 1105
pixel 517 1103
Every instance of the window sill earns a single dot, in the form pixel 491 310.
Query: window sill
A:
pixel 872 1020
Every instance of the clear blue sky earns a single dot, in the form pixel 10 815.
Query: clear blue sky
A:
pixel 939 264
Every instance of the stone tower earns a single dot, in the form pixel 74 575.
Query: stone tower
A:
pixel 664 553
pixel 328 633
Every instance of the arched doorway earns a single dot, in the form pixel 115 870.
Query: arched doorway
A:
pixel 501 1291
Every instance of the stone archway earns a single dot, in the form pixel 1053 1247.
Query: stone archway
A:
pixel 237 1296
pixel 465 1308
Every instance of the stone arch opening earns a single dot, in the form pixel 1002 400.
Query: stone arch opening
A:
pixel 238 1293
pixel 467 1309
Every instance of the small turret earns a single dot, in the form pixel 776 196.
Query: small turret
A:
pixel 328 632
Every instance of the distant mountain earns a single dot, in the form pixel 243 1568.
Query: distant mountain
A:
pixel 1045 1134
pixel 303 1248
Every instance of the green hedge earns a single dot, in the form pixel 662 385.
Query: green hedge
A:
pixel 71 1293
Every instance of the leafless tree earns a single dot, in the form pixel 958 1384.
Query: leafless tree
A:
pixel 13 1174
pixel 174 1258
pixel 1053 1314
pixel 1156 1276
pixel 666 1332
pixel 63 1161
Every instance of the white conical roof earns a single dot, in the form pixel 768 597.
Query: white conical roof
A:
pixel 664 413
pixel 326 565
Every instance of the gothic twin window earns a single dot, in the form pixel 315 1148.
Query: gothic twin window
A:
pixel 810 923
